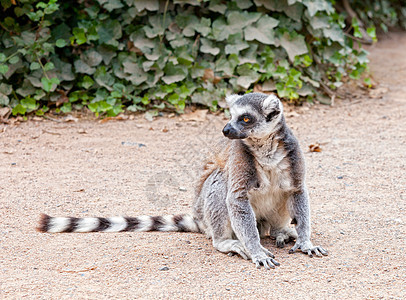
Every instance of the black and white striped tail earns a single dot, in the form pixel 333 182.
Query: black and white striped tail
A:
pixel 184 223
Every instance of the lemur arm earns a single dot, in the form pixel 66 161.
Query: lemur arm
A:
pixel 243 223
pixel 242 177
pixel 300 212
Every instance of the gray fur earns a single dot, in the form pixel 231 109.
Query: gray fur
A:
pixel 253 186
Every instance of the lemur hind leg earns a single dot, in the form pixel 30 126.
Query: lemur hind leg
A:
pixel 214 215
pixel 283 235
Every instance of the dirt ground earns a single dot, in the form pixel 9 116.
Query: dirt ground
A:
pixel 357 185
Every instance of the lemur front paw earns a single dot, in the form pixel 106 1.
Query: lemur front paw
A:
pixel 308 248
pixel 266 259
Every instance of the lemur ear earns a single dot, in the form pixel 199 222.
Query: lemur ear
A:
pixel 230 99
pixel 272 103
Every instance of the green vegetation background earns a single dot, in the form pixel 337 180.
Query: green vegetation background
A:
pixel 115 55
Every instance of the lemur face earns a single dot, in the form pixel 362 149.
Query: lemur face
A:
pixel 253 115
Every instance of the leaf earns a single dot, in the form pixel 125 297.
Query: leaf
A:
pixel 63 70
pixel 335 34
pixel 315 148
pixel 105 79
pixel 4 101
pixel 92 58
pixel 314 6
pixel 19 109
pixel 226 65
pixel 220 30
pixel 247 76
pixel 151 5
pixel 204 27
pixel 150 114
pixel 13 60
pixel 319 22
pixel 137 76
pixel 371 31
pixel 2 57
pixel 243 4
pixel 110 5
pixel 29 104
pixel 174 73
pixel 217 6
pixel 87 82
pixel 5 89
pixel 208 47
pixel 66 107
pixel 239 20
pixel 79 35
pixel 262 31
pixel 110 32
pixel 82 67
pixel 295 11
pixel 3 69
pixel 49 66
pixel 107 53
pixel 293 45
pixel 157 27
pixel 46 84
pixel 34 66
pixel 189 23
pixel 26 89
pixel 60 43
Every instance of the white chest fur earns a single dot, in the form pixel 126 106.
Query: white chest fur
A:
pixel 273 170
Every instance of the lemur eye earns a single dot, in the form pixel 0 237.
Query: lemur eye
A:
pixel 246 119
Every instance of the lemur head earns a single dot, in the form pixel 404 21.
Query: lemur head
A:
pixel 253 115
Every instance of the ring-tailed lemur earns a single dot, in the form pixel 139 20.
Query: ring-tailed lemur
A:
pixel 253 185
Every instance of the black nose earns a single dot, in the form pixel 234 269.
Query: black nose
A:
pixel 227 129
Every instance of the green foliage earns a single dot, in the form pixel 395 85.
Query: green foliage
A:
pixel 152 55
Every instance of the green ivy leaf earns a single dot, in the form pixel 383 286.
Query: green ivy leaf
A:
pixel 87 82
pixel 79 35
pixel 262 31
pixel 49 66
pixel 208 47
pixel 371 31
pixel 3 69
pixel 60 43
pixel 19 109
pixel 29 104
pixel 34 66
pixel 13 60
pixel 294 45
pixel 110 32
pixel 66 108
pixel 49 84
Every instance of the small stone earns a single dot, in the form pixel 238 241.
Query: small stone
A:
pixel 164 269
pixel 340 177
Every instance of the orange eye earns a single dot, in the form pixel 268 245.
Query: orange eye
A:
pixel 246 119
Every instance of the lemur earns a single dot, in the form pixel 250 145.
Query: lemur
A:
pixel 253 185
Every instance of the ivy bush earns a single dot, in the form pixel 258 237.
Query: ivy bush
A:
pixel 112 55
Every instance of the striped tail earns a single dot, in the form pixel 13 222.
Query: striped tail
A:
pixel 183 223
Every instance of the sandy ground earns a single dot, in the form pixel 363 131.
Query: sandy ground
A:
pixel 357 185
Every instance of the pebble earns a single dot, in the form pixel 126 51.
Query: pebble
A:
pixel 164 269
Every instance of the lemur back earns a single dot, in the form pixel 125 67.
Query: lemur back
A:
pixel 252 186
